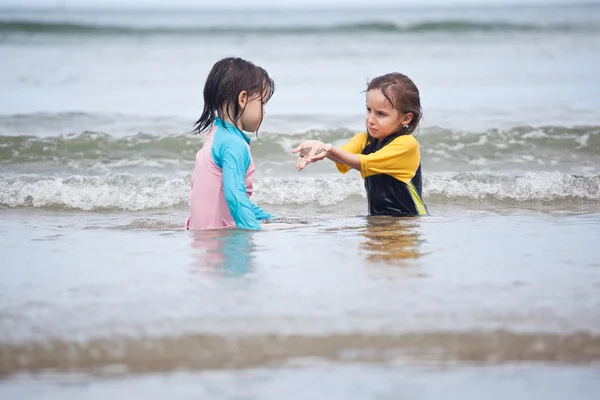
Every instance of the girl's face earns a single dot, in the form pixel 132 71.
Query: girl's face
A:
pixel 254 111
pixel 382 119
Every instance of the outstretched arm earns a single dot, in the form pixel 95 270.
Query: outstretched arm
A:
pixel 314 150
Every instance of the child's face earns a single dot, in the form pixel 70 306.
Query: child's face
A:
pixel 382 119
pixel 253 114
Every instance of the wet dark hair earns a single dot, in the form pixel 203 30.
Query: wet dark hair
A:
pixel 403 94
pixel 226 80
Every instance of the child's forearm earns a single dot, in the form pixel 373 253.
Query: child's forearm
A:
pixel 334 159
pixel 343 157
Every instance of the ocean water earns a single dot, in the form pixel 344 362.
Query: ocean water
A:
pixel 495 295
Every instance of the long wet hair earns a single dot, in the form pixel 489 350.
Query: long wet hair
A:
pixel 226 80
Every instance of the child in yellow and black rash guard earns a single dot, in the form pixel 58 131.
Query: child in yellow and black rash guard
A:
pixel 387 154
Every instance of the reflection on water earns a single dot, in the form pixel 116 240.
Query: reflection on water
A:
pixel 392 240
pixel 224 251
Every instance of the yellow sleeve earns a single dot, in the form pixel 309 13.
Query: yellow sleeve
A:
pixel 400 159
pixel 354 146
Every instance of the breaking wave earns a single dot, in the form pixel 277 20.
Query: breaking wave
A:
pixel 130 192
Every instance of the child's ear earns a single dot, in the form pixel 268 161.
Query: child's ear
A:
pixel 407 119
pixel 243 99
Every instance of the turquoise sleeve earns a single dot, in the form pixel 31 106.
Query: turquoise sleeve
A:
pixel 235 161
pixel 260 213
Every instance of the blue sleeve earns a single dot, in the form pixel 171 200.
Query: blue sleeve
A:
pixel 234 162
pixel 260 213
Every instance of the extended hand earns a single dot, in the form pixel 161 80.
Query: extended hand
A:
pixel 310 151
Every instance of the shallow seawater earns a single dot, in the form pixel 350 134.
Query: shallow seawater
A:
pixel 449 291
pixel 324 380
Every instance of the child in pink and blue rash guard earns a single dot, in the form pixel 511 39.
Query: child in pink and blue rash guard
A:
pixel 234 97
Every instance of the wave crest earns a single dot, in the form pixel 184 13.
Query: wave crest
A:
pixel 129 192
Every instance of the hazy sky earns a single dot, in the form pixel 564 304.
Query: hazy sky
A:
pixel 262 3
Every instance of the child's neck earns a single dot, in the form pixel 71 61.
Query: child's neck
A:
pixel 228 120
